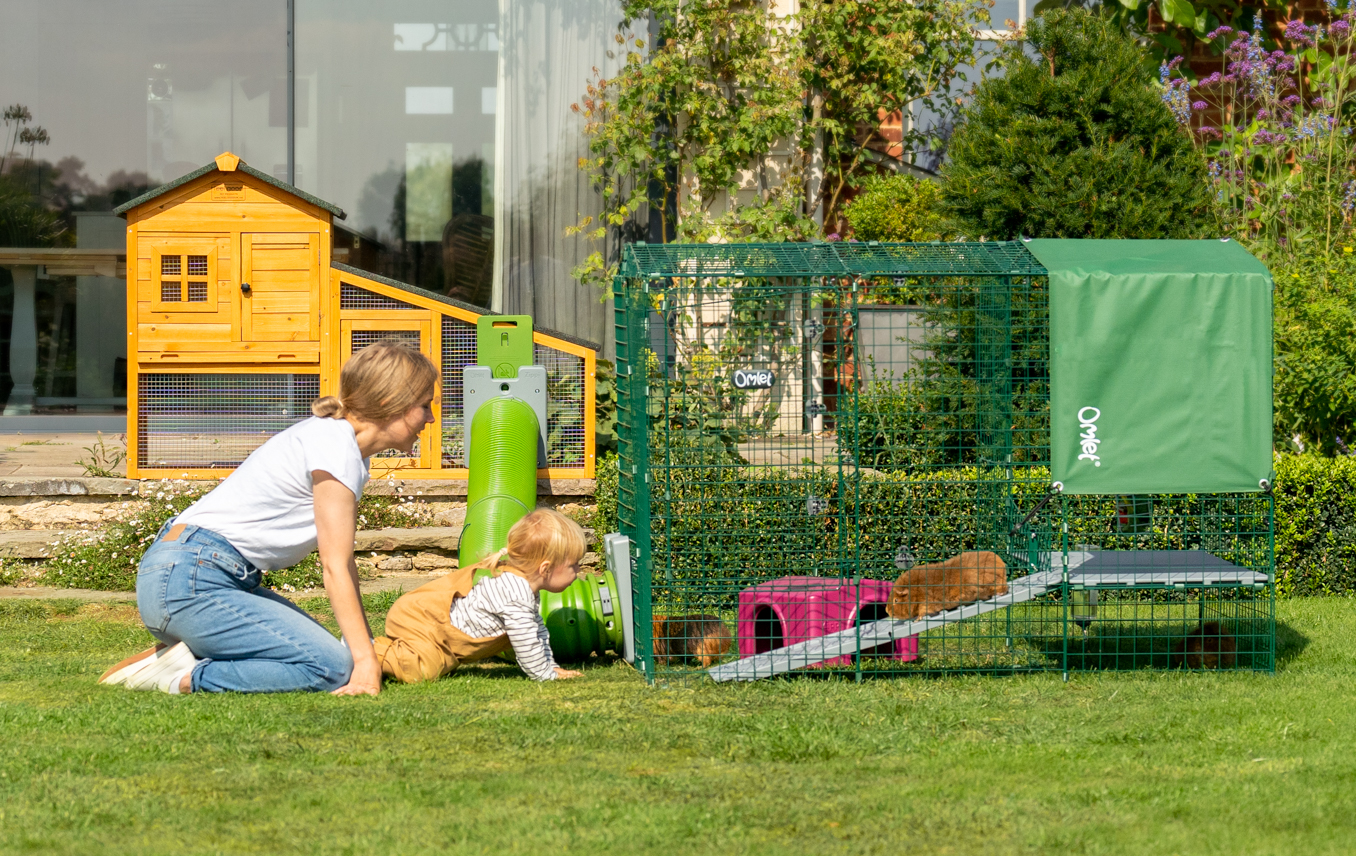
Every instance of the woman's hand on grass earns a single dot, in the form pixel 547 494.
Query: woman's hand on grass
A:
pixel 336 512
pixel 365 680
pixel 563 674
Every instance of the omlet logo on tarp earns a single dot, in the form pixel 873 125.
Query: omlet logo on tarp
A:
pixel 1087 420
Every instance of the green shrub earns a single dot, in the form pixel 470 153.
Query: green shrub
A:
pixel 605 408
pixel 1315 525
pixel 604 518
pixel 902 429
pixel 1315 342
pixel 935 415
pixel 896 208
pixel 1073 141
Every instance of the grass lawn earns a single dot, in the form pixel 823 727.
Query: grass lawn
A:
pixel 487 762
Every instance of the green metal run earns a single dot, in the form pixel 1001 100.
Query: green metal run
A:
pixel 871 258
pixel 800 425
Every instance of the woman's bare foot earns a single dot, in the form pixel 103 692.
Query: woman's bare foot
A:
pixel 186 684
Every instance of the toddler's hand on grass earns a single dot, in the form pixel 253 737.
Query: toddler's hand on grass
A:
pixel 562 674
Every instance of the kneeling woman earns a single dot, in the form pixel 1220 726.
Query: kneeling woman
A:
pixel 198 588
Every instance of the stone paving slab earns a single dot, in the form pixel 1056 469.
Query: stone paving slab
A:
pixel 52 455
pixel 54 593
pixel 791 450
pixel 46 486
pixel 420 538
pixel 395 582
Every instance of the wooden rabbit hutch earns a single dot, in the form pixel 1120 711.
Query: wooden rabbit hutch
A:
pixel 237 319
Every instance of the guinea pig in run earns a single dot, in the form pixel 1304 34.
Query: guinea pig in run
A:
pixel 1206 647
pixel 927 589
pixel 703 638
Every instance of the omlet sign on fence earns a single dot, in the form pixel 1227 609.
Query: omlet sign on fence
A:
pixel 964 457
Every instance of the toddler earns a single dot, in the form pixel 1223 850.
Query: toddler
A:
pixel 438 626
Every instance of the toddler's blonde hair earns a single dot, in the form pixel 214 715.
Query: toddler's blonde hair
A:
pixel 379 383
pixel 544 535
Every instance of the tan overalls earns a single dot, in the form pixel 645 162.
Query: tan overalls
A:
pixel 420 642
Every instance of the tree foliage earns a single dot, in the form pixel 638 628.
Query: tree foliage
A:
pixel 24 222
pixel 870 60
pixel 725 110
pixel 1073 141
pixel 1168 28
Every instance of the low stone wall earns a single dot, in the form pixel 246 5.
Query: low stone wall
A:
pixel 42 513
pixel 36 513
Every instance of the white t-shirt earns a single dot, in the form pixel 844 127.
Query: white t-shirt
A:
pixel 265 509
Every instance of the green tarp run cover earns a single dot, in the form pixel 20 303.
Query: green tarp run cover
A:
pixel 1160 366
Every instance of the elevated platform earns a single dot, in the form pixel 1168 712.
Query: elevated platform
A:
pixel 1106 569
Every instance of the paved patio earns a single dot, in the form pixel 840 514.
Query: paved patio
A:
pixel 54 455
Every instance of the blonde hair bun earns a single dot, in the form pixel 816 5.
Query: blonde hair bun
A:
pixel 328 407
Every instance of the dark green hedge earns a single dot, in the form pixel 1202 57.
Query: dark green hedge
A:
pixel 754 520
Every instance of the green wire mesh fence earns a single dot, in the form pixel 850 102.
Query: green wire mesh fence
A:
pixel 834 459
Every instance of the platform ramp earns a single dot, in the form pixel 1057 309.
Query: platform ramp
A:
pixel 1094 569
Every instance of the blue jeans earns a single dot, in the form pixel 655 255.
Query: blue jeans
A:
pixel 199 590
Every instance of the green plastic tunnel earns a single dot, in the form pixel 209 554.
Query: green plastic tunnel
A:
pixel 501 490
pixel 502 483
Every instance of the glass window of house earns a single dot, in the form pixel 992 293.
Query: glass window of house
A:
pixel 102 102
pixel 396 106
pixel 446 131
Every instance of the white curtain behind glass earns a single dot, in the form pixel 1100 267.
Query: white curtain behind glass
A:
pixel 548 51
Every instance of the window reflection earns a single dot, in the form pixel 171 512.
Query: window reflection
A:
pixel 443 129
pixel 130 95
pixel 399 135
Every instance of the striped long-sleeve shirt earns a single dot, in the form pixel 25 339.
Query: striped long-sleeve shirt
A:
pixel 507 604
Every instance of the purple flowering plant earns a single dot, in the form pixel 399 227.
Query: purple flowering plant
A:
pixel 1281 156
